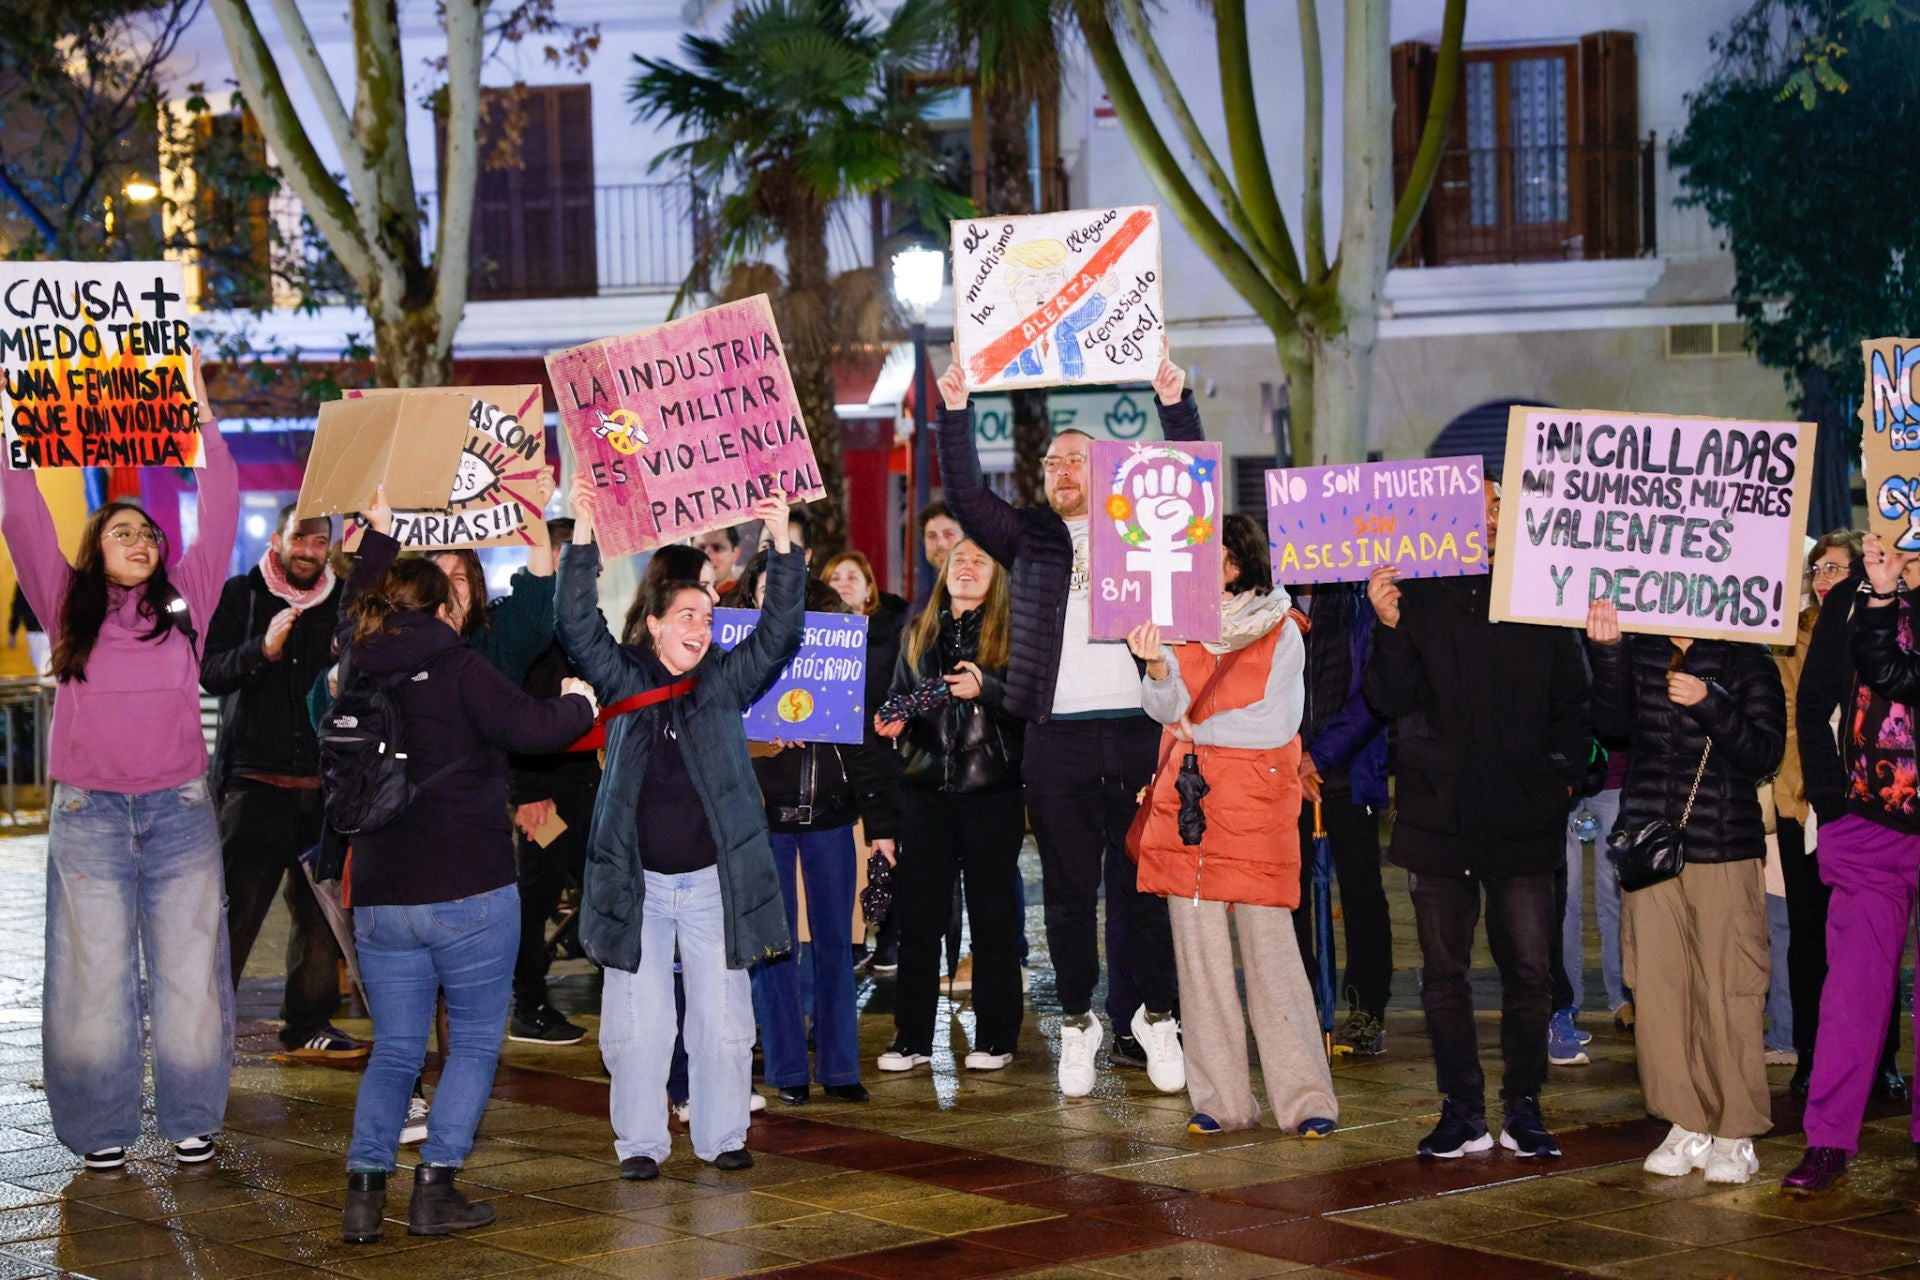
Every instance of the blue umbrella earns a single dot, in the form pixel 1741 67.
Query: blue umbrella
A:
pixel 1323 925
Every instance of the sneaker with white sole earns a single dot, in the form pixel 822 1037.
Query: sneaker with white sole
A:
pixel 1078 1046
pixel 683 1111
pixel 194 1150
pixel 330 1044
pixel 898 1059
pixel 1679 1154
pixel 106 1158
pixel 987 1060
pixel 1564 1047
pixel 1166 1061
pixel 1732 1160
pixel 415 1129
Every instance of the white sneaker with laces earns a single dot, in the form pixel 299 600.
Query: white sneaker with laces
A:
pixel 415 1130
pixel 895 1060
pixel 1166 1062
pixel 980 1060
pixel 1078 1045
pixel 194 1150
pixel 1681 1153
pixel 1732 1160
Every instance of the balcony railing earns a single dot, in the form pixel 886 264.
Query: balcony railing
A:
pixel 1536 204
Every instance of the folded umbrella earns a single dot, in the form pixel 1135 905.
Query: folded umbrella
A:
pixel 1322 866
pixel 1191 788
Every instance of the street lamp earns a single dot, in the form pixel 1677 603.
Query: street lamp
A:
pixel 919 268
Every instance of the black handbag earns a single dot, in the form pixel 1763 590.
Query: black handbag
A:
pixel 1657 850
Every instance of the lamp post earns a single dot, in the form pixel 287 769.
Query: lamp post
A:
pixel 918 271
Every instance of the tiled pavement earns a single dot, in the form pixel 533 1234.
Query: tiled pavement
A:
pixel 940 1177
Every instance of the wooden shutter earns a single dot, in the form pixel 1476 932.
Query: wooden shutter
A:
pixel 533 209
pixel 1412 80
pixel 1608 138
pixel 231 228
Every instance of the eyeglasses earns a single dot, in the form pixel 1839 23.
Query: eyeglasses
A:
pixel 1065 462
pixel 1830 569
pixel 127 536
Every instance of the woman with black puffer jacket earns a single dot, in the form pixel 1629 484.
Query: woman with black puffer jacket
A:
pixel 964 814
pixel 1707 723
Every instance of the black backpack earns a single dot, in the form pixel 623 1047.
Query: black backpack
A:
pixel 363 755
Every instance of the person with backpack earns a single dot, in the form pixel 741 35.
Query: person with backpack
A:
pixel 133 847
pixel 414 770
pixel 679 850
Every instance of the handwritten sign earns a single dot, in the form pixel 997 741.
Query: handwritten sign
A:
pixel 685 426
pixel 1427 518
pixel 1890 440
pixel 494 499
pixel 1058 298
pixel 1153 543
pixel 1692 526
pixel 820 696
pixel 99 365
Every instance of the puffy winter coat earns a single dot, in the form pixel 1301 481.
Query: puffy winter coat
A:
pixel 1346 738
pixel 1744 713
pixel 1036 548
pixel 264 726
pixel 707 721
pixel 965 746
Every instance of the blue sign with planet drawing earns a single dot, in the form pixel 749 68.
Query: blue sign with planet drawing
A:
pixel 1426 517
pixel 820 696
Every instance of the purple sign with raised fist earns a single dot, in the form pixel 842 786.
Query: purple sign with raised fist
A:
pixel 1154 542
pixel 1426 517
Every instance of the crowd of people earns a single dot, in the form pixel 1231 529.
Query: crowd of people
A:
pixel 527 752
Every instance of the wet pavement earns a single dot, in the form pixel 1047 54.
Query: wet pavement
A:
pixel 943 1175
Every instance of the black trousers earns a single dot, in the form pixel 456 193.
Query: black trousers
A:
pixel 1353 832
pixel 1807 899
pixel 544 875
pixel 263 831
pixel 1522 930
pixel 1083 781
pixel 1563 994
pixel 945 837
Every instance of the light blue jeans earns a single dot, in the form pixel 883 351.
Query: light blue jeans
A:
pixel 129 874
pixel 465 947
pixel 636 1024
pixel 1605 807
pixel 1779 988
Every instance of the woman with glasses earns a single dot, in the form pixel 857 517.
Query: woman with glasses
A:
pixel 133 847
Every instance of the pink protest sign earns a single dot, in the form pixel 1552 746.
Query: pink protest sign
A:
pixel 1426 517
pixel 685 426
pixel 1154 539
pixel 1692 526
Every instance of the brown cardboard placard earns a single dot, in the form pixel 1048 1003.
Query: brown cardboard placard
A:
pixel 360 445
pixel 550 830
pixel 1890 440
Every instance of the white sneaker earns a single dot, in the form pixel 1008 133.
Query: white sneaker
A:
pixel 415 1130
pixel 1681 1153
pixel 756 1102
pixel 895 1060
pixel 980 1060
pixel 1166 1063
pixel 1078 1045
pixel 1732 1160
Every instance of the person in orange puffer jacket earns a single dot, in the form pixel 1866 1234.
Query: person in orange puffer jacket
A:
pixel 1228 840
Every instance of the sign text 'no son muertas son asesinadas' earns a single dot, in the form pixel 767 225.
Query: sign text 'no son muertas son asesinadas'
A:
pixel 1426 517
pixel 1691 526
pixel 1890 440
pixel 99 365
pixel 820 695
pixel 685 426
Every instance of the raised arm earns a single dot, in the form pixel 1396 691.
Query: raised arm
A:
pixel 520 626
pixel 204 566
pixel 753 663
pixel 506 716
pixel 984 514
pixel 378 551
pixel 1179 413
pixel 34 544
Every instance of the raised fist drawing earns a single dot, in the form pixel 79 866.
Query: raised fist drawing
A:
pixel 1163 504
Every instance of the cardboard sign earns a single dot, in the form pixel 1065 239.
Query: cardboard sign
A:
pixel 1890 441
pixel 1692 526
pixel 99 365
pixel 821 695
pixel 1059 298
pixel 493 499
pixel 1154 543
pixel 359 445
pixel 1426 517
pixel 552 829
pixel 685 426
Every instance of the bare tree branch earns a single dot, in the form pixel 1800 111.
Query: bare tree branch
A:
pixel 1245 145
pixel 333 111
pixel 465 38
pixel 1313 158
pixel 1433 136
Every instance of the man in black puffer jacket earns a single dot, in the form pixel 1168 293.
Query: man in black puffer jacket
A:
pixel 1091 748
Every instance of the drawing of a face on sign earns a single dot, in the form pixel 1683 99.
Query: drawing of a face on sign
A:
pixel 1157 539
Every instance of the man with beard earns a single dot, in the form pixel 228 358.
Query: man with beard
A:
pixel 270 639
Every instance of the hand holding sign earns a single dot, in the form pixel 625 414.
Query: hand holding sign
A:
pixel 1169 380
pixel 580 495
pixel 1383 593
pixel 953 387
pixel 774 512
pixel 1603 622
pixel 379 512
pixel 1884 569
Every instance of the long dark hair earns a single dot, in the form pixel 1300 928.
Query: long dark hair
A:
pixel 675 562
pixel 410 586
pixel 85 609
pixel 1246 541
pixel 476 618
pixel 658 600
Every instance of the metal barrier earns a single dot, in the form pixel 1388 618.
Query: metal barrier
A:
pixel 23 792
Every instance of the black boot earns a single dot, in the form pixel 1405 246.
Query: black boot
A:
pixel 438 1207
pixel 1888 1084
pixel 1802 1080
pixel 366 1208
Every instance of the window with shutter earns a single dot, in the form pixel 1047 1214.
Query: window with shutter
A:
pixel 231 231
pixel 533 209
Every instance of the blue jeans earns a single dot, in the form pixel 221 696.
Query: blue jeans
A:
pixel 129 874
pixel 465 947
pixel 636 1011
pixel 1779 986
pixel 825 858
pixel 1606 901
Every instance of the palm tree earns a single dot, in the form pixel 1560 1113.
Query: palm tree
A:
pixel 794 106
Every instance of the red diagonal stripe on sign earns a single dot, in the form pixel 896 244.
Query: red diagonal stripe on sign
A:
pixel 999 353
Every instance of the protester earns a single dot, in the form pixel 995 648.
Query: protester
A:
pixel 1493 742
pixel 1869 850
pixel 1090 748
pixel 1232 713
pixel 721 547
pixel 813 792
pixel 1705 721
pixel 851 575
pixel 674 562
pixel 133 848
pixel 1343 767
pixel 517 628
pixel 679 850
pixel 271 637
pixel 961 749
pixel 435 905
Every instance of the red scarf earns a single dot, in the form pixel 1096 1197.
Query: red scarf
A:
pixel 276 576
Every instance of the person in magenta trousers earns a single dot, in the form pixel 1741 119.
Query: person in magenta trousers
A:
pixel 133 847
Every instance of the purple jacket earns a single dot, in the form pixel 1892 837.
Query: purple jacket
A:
pixel 133 725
